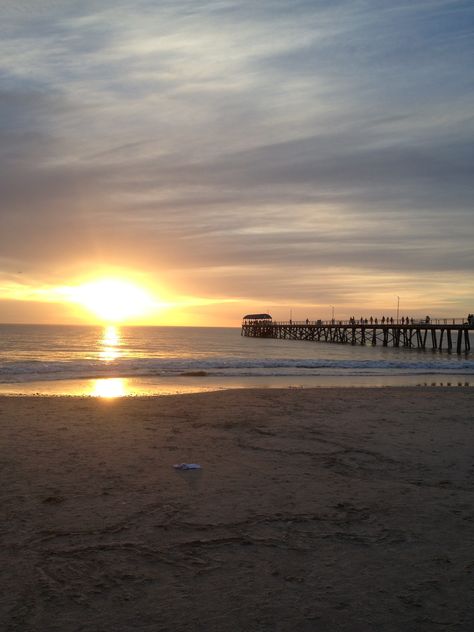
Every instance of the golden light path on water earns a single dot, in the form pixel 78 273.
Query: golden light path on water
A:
pixel 109 350
pixel 110 343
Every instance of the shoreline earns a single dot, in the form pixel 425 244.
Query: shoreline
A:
pixel 253 390
pixel 172 385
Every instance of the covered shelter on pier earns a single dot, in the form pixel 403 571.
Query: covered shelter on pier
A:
pixel 257 317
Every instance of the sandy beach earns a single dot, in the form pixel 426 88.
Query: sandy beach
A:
pixel 315 510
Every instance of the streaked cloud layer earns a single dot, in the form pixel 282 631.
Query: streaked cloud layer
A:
pixel 273 152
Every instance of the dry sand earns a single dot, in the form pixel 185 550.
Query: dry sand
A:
pixel 315 510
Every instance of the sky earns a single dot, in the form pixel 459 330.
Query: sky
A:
pixel 237 156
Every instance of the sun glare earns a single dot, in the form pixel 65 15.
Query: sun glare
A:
pixel 113 300
pixel 109 388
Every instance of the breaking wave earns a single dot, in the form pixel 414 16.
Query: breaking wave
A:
pixel 36 370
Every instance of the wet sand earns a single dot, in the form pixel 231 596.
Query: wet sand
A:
pixel 315 510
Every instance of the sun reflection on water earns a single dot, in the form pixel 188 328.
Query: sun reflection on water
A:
pixel 109 344
pixel 109 388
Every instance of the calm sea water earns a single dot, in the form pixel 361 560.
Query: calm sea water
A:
pixel 39 355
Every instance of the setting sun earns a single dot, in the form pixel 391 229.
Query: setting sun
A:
pixel 113 300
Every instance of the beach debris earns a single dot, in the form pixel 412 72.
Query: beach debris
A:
pixel 187 466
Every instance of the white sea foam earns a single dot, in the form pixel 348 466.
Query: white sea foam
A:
pixel 24 371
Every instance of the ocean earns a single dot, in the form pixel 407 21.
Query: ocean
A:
pixel 115 360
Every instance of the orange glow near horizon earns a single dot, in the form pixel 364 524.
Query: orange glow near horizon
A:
pixel 116 297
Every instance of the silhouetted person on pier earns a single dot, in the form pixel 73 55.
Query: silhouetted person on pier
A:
pixel 427 320
pixel 371 320
pixel 403 320
pixel 412 321
pixel 383 320
pixel 376 322
pixel 307 321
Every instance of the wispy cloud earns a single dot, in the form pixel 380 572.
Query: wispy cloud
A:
pixel 263 141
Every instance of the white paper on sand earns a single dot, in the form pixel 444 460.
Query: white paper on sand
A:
pixel 187 466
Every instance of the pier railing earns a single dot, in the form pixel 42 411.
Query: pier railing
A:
pixel 378 322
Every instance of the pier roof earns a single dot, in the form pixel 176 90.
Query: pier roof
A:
pixel 257 317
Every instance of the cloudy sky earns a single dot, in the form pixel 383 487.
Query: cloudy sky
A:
pixel 242 155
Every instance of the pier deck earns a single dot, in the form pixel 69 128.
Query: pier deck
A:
pixel 449 334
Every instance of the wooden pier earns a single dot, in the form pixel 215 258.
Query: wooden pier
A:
pixel 449 334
